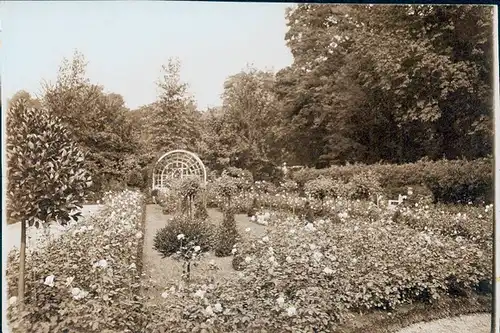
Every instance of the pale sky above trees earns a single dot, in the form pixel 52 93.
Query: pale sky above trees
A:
pixel 126 44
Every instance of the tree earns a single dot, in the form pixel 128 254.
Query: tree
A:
pixel 392 83
pixel 46 175
pixel 97 121
pixel 172 120
pixel 244 125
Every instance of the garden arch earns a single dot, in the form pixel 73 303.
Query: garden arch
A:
pixel 177 164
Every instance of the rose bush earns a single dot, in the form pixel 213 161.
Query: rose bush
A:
pixel 88 280
pixel 311 276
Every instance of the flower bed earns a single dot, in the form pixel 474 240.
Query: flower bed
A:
pixel 314 276
pixel 87 280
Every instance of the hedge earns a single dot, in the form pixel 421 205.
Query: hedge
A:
pixel 451 181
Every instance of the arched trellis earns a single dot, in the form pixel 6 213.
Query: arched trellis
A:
pixel 177 164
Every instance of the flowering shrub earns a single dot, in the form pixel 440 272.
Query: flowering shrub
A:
pixel 196 232
pixel 243 179
pixel 90 269
pixel 309 277
pixel 321 188
pixel 225 187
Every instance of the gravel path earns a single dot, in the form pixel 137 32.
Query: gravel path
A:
pixel 477 323
pixel 161 272
pixel 12 232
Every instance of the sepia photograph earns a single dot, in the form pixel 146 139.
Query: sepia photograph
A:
pixel 239 167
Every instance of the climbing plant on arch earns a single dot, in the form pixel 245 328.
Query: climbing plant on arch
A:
pixel 177 164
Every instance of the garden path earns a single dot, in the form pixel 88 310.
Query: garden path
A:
pixel 11 233
pixel 161 273
pixel 476 323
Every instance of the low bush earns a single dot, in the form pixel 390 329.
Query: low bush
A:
pixel 90 269
pixel 196 231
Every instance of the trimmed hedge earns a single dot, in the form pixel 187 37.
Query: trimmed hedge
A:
pixel 451 181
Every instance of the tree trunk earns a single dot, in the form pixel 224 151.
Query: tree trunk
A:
pixel 22 261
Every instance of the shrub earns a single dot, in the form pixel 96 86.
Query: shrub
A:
pixel 225 187
pixel 200 211
pixel 227 234
pixel 450 181
pixel 364 185
pixel 195 231
pixel 95 269
pixel 321 188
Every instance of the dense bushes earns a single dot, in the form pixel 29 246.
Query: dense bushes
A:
pixel 450 181
pixel 92 268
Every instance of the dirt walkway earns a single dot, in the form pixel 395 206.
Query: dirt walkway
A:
pixel 161 273
pixel 477 323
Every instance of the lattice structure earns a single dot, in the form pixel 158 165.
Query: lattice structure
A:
pixel 177 164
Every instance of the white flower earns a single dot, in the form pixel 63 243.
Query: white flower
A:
pixel 172 289
pixel 218 307
pixel 248 229
pixel 132 266
pixel 200 293
pixel 265 239
pixel 281 301
pixel 12 300
pixel 288 259
pixel 248 259
pixel 233 251
pixel 356 228
pixel 327 270
pixel 317 256
pixel 197 248
pixel 292 231
pixel 180 236
pixel 291 311
pixel 310 227
pixel 101 263
pixel 78 293
pixel 209 311
pixel 253 218
pixel 164 294
pixel 312 247
pixel 49 280
pixel 138 235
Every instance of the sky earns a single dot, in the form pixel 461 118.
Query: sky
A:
pixel 126 43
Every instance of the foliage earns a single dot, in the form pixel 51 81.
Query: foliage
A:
pixel 97 121
pixel 322 188
pixel 307 277
pixel 189 187
pixel 227 234
pixel 171 122
pixel 364 185
pixel 46 170
pixel 94 268
pixel 196 232
pixel 450 181
pixel 225 187
pixel 392 83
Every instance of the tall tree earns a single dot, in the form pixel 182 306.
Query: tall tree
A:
pixel 172 121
